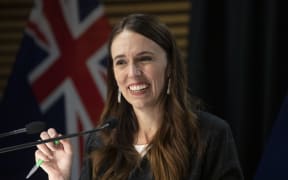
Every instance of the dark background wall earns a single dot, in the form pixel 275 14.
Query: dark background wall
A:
pixel 238 65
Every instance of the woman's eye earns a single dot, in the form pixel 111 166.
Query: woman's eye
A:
pixel 145 58
pixel 120 62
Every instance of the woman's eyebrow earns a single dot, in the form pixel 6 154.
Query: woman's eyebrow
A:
pixel 144 53
pixel 139 54
pixel 119 56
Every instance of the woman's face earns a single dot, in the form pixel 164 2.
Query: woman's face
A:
pixel 139 68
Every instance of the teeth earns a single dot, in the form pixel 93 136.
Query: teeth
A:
pixel 137 87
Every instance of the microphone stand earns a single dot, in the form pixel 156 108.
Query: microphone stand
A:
pixel 31 144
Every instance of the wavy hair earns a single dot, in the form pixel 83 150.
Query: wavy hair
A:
pixel 178 136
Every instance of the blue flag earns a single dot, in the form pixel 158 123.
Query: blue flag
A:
pixel 274 163
pixel 59 77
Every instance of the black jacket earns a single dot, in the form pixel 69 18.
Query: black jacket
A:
pixel 219 161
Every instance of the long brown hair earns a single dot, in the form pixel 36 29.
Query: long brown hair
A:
pixel 171 147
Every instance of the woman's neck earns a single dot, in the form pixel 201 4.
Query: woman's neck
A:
pixel 149 122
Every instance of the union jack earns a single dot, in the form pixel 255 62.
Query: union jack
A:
pixel 68 66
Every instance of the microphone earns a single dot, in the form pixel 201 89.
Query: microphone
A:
pixel 110 123
pixel 31 128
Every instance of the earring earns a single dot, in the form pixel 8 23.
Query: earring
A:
pixel 168 88
pixel 119 96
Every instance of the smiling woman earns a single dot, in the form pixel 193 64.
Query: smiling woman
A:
pixel 140 70
pixel 160 132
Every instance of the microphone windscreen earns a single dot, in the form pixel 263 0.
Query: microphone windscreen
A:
pixel 112 121
pixel 35 127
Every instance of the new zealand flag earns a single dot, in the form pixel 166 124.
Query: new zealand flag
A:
pixel 58 77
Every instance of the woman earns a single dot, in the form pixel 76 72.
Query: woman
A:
pixel 160 133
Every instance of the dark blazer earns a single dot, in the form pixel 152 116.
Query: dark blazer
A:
pixel 218 162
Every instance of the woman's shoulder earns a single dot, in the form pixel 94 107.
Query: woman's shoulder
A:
pixel 220 158
pixel 212 126
pixel 211 122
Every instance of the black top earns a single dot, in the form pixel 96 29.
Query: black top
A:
pixel 219 160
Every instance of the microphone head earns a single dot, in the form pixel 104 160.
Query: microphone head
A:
pixel 112 122
pixel 35 127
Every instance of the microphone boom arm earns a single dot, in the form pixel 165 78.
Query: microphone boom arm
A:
pixel 31 144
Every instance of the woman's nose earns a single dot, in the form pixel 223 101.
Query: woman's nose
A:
pixel 134 70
